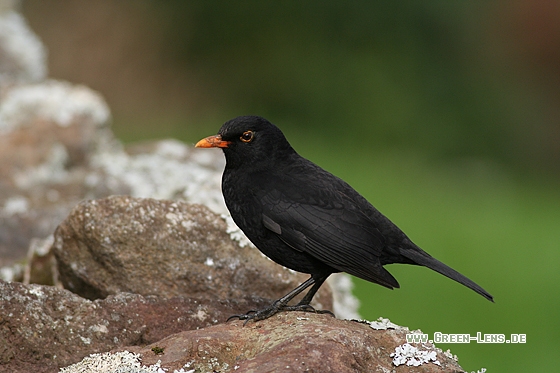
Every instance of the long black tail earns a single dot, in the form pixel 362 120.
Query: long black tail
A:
pixel 424 259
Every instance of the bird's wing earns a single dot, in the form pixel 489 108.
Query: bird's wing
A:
pixel 328 227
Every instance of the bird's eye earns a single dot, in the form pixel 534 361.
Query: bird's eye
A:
pixel 247 136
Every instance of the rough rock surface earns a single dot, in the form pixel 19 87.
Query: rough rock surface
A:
pixel 56 149
pixel 288 342
pixel 43 328
pixel 165 248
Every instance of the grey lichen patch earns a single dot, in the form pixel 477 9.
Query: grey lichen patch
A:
pixel 171 170
pixel 54 101
pixel 118 362
pixel 210 365
pixel 33 300
pixel 407 354
pixel 384 324
pixel 235 233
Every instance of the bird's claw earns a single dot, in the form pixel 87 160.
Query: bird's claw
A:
pixel 242 316
pixel 307 308
pixel 273 309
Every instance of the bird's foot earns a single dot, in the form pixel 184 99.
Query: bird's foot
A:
pixel 273 309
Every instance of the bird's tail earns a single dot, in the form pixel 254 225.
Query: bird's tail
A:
pixel 424 259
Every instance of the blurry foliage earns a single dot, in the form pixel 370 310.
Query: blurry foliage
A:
pixel 420 75
pixel 448 79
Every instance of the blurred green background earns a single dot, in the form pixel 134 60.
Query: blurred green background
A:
pixel 444 114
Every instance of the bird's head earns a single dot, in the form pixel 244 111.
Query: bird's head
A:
pixel 249 140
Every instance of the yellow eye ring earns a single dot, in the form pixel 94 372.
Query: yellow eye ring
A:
pixel 247 136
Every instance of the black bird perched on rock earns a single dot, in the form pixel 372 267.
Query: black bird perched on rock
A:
pixel 307 219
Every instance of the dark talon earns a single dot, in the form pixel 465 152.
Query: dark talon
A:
pixel 243 316
pixel 239 317
pixel 326 312
pixel 276 307
pixel 307 308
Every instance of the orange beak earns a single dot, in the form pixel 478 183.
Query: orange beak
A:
pixel 212 142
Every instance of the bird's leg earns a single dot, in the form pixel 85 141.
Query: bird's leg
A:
pixel 304 305
pixel 311 293
pixel 282 303
pixel 275 307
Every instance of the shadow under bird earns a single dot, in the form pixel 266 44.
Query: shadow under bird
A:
pixel 307 219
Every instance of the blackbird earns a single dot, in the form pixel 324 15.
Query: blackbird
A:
pixel 307 219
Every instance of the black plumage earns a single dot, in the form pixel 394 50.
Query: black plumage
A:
pixel 307 219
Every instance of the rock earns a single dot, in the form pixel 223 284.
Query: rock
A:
pixel 23 55
pixel 43 328
pixel 56 149
pixel 294 342
pixel 165 248
pixel 49 134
